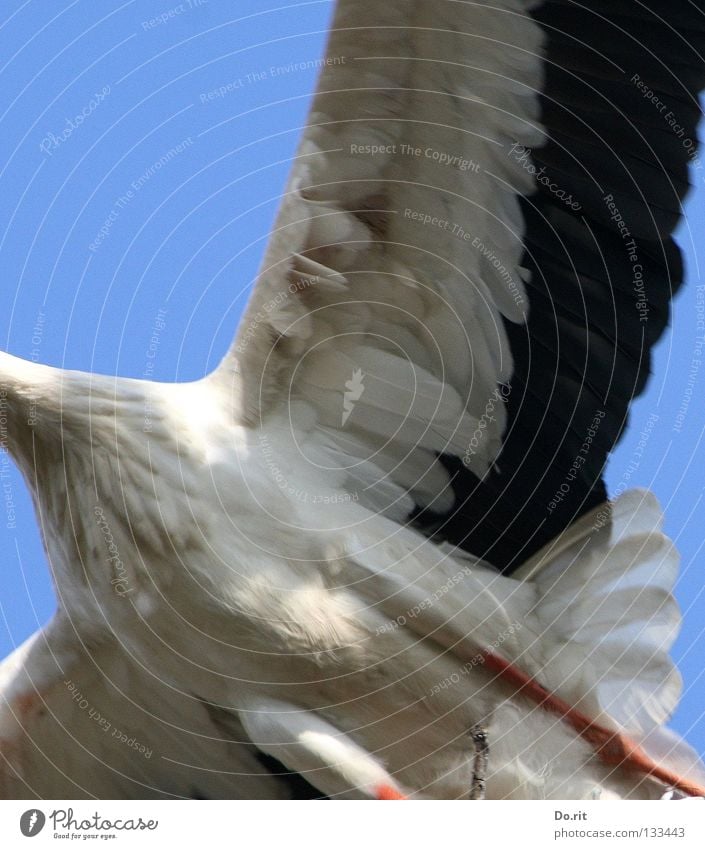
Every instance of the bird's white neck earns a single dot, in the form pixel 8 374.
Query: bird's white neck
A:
pixel 77 438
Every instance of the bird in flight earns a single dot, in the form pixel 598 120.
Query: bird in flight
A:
pixel 372 555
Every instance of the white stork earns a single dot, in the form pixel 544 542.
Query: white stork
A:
pixel 377 535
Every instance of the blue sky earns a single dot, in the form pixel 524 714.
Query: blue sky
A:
pixel 143 148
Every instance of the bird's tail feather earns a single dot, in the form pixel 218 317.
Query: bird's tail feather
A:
pixel 605 618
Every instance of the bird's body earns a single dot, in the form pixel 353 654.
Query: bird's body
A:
pixel 276 618
pixel 311 554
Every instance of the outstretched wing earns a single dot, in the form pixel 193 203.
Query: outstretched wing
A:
pixel 82 721
pixel 474 257
pixel 396 258
pixel 620 109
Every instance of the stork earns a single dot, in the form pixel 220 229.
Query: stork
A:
pixel 371 555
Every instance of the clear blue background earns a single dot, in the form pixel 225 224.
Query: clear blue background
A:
pixel 190 240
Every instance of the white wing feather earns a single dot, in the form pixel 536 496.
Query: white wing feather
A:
pixel 398 244
pixel 88 722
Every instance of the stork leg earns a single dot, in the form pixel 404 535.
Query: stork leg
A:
pixel 479 768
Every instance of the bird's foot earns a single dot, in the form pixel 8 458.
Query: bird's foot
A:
pixel 478 735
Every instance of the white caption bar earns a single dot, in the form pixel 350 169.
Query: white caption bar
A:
pixel 242 825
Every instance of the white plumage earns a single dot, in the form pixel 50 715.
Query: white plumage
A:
pixel 243 578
